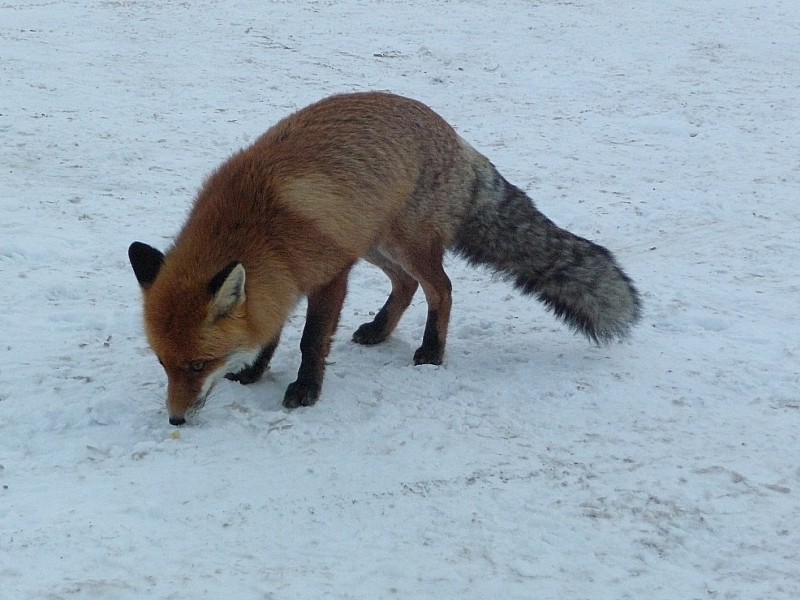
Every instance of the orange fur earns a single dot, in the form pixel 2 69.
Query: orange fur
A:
pixel 373 176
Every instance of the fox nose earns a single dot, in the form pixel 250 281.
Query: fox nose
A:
pixel 177 421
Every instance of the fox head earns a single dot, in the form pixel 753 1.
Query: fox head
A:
pixel 196 326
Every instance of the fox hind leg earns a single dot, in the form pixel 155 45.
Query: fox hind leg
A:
pixel 427 269
pixel 404 286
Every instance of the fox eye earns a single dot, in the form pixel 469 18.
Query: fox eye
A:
pixel 197 366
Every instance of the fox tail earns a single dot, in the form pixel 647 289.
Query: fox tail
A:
pixel 578 280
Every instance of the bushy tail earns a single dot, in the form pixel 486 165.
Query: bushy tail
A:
pixel 580 281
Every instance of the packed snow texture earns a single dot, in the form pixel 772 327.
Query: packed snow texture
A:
pixel 532 464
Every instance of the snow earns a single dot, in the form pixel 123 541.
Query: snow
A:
pixel 532 464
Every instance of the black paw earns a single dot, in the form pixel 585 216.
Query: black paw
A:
pixel 301 394
pixel 247 375
pixel 369 334
pixel 428 356
pixel 252 373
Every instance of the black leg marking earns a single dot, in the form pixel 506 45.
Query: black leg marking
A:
pixel 404 286
pixel 375 331
pixel 431 351
pixel 253 373
pixel 322 316
pixel 305 390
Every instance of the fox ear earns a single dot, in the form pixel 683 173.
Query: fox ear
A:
pixel 227 287
pixel 146 262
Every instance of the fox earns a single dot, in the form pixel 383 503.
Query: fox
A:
pixel 367 175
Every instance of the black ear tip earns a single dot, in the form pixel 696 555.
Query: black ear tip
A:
pixel 135 250
pixel 216 283
pixel 146 262
pixel 140 250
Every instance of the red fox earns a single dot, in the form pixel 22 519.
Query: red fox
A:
pixel 365 175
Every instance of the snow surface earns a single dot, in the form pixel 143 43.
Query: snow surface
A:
pixel 532 464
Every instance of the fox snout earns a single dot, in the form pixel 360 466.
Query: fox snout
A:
pixel 183 401
pixel 187 392
pixel 178 411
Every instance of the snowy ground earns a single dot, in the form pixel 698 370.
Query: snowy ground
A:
pixel 531 465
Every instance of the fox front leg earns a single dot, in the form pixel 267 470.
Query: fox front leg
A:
pixel 253 372
pixel 322 317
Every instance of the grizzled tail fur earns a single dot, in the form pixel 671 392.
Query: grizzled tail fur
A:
pixel 578 280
